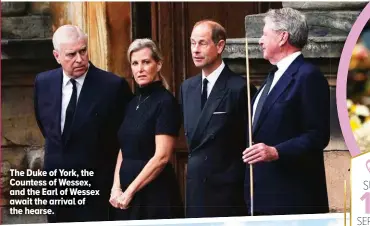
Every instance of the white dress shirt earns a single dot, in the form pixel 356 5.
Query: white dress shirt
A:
pixel 282 66
pixel 67 89
pixel 212 78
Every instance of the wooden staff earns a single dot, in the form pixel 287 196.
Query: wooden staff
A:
pixel 249 121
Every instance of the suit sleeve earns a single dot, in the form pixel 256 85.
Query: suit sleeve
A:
pixel 124 96
pixel 36 107
pixel 181 104
pixel 315 105
pixel 242 114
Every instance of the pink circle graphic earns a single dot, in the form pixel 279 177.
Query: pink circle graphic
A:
pixel 341 92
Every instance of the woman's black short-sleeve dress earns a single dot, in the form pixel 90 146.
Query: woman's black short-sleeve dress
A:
pixel 154 111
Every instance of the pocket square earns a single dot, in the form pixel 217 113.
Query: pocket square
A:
pixel 219 112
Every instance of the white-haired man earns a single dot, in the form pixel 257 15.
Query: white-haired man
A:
pixel 291 124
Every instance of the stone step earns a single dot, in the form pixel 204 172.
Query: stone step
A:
pixel 26 27
pixel 321 23
pixel 317 47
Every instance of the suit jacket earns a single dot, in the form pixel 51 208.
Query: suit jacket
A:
pixel 92 143
pixel 216 139
pixel 295 120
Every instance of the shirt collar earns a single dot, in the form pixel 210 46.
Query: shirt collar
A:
pixel 284 63
pixel 80 80
pixel 212 78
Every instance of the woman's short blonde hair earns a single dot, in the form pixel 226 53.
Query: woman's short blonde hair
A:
pixel 139 44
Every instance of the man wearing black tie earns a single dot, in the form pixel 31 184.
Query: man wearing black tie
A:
pixel 291 125
pixel 214 109
pixel 79 108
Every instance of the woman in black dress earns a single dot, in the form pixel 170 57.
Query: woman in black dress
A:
pixel 145 185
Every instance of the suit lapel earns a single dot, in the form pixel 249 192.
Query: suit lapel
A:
pixel 86 100
pixel 193 106
pixel 214 99
pixel 56 90
pixel 278 89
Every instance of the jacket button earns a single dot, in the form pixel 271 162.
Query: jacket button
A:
pixel 189 155
pixel 205 158
pixel 186 133
pixel 204 179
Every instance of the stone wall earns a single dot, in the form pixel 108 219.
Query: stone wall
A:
pixel 26 50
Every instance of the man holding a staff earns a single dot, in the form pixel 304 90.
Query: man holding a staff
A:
pixel 290 124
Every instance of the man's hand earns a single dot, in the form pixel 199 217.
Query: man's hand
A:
pixel 260 153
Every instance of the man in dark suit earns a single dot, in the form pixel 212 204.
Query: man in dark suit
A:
pixel 290 124
pixel 214 110
pixel 79 109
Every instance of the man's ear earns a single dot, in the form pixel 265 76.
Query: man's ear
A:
pixel 284 38
pixel 220 46
pixel 56 56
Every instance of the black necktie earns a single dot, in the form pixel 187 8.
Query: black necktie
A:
pixel 264 95
pixel 204 92
pixel 70 111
